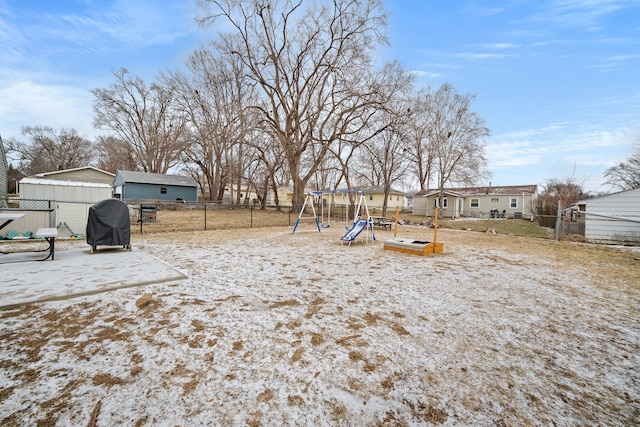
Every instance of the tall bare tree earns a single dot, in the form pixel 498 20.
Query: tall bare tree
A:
pixel 113 154
pixel 457 134
pixel 51 150
pixel 625 175
pixel 142 116
pixel 418 147
pixel 213 98
pixel 309 64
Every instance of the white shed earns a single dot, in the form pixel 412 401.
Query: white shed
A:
pixel 613 219
pixel 69 199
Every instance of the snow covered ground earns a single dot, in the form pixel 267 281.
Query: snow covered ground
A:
pixel 272 329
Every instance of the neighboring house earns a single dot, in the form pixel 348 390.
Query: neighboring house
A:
pixel 285 197
pixel 83 174
pixel 613 219
pixel 130 186
pixel 375 200
pixel 3 176
pixel 514 201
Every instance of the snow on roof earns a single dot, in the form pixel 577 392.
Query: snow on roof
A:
pixel 64 183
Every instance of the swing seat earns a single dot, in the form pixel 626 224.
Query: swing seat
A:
pixel 325 225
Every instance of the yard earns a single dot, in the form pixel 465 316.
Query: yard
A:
pixel 274 329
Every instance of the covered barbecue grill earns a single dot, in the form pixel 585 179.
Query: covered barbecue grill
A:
pixel 109 224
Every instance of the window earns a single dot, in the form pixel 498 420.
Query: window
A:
pixel 371 196
pixel 445 202
pixel 163 190
pixel 474 203
pixel 494 200
pixel 513 202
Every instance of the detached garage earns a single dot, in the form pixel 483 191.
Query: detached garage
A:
pixel 613 219
pixel 135 186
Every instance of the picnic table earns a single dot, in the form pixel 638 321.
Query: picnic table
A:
pixel 47 234
pixel 380 221
pixel 8 218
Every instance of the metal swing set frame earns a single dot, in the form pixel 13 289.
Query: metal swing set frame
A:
pixel 311 197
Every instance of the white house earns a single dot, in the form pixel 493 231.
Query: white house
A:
pixel 614 218
pixel 513 201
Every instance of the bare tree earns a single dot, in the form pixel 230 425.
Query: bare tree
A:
pixel 419 149
pixel 113 154
pixel 457 134
pixel 309 65
pixel 142 116
pixel 49 150
pixel 625 175
pixel 213 96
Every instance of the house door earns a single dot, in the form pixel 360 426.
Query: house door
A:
pixel 459 205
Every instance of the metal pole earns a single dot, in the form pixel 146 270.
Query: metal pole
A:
pixel 558 220
pixel 205 217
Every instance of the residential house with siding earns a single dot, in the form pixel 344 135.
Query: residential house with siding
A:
pixel 515 201
pixel 131 185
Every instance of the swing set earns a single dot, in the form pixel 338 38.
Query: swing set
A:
pixel 316 197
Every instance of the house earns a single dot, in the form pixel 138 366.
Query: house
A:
pixel 285 197
pixel 613 219
pixel 375 199
pixel 83 174
pixel 515 201
pixel 130 186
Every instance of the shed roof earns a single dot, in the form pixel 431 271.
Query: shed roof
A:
pixel 595 200
pixel 156 178
pixel 64 183
pixel 64 171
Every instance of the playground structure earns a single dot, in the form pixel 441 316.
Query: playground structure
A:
pixel 412 246
pixel 359 223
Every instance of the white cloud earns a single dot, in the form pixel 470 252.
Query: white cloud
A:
pixel 57 106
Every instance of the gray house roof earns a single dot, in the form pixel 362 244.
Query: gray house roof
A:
pixel 377 190
pixel 153 178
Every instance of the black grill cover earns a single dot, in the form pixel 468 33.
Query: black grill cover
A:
pixel 109 224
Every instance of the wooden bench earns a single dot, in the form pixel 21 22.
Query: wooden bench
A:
pixel 43 234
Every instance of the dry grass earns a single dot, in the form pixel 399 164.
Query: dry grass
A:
pixel 198 219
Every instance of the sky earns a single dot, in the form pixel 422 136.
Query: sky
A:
pixel 557 81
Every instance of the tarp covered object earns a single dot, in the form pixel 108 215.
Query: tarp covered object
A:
pixel 109 224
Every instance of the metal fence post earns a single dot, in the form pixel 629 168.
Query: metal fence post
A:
pixel 558 220
pixel 205 217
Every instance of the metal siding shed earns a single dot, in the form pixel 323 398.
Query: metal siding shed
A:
pixel 614 218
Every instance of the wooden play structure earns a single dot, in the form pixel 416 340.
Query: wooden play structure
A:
pixel 412 246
